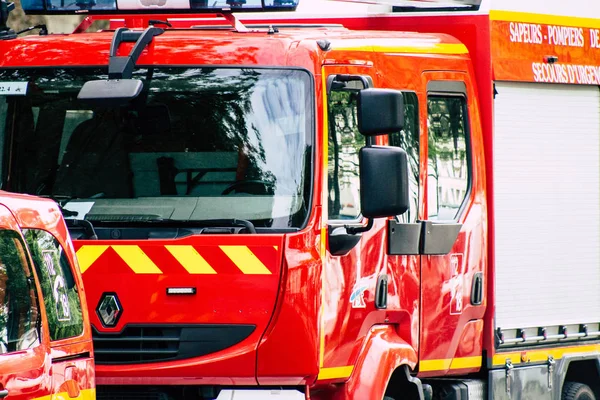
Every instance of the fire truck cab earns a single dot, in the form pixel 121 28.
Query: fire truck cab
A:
pixel 302 208
pixel 45 336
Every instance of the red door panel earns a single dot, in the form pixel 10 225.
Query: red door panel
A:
pixel 454 192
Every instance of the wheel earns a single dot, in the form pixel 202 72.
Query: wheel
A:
pixel 577 391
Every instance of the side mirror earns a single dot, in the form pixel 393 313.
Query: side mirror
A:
pixel 380 111
pixel 383 181
pixel 112 92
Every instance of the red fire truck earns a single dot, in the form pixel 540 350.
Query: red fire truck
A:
pixel 45 335
pixel 400 206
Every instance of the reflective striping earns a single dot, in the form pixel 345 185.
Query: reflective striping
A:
pixel 324 216
pixel 466 362
pixel 426 48
pixel 335 372
pixel 136 259
pixel 544 19
pixel 245 260
pixel 434 365
pixel 87 255
pixel 84 394
pixel 542 355
pixel 191 260
pixel 450 363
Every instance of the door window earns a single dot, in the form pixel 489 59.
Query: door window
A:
pixel 19 312
pixel 408 140
pixel 59 288
pixel 448 166
pixel 345 141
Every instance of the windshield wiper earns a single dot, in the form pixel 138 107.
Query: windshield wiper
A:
pixel 211 223
pixel 87 227
pixel 231 222
pixel 153 220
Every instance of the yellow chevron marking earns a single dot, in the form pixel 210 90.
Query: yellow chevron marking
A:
pixel 88 254
pixel 245 260
pixel 450 363
pixel 335 372
pixel 276 247
pixel 136 259
pixel 191 260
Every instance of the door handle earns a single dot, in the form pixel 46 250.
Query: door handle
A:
pixel 381 291
pixel 3 393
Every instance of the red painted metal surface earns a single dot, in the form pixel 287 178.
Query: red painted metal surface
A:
pixel 297 314
pixel 306 324
pixel 24 374
pixel 383 352
pixel 442 324
pixel 39 371
pixel 227 296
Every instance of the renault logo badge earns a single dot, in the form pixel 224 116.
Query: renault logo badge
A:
pixel 109 309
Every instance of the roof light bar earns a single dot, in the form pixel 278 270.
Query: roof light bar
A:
pixel 153 6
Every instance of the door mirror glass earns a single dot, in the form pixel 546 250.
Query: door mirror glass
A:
pixel 380 111
pixel 345 141
pixel 383 181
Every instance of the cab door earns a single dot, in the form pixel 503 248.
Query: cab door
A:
pixel 24 350
pixel 360 282
pixel 353 262
pixel 453 263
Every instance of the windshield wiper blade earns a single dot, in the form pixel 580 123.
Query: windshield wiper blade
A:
pixel 212 223
pixel 152 219
pixel 231 222
pixel 87 226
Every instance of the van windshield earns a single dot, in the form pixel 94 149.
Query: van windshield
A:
pixel 197 144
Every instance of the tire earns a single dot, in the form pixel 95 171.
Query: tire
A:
pixel 577 391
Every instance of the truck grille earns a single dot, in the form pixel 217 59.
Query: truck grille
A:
pixel 153 343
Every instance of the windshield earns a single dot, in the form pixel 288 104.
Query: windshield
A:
pixel 197 144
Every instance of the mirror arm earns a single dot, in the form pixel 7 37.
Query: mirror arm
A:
pixel 353 230
pixel 121 67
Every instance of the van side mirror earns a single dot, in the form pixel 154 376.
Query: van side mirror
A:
pixel 383 181
pixel 380 111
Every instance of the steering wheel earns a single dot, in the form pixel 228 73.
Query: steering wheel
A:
pixel 251 186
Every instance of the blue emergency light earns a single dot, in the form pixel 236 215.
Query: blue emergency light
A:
pixel 153 6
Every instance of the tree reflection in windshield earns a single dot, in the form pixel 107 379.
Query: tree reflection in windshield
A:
pixel 198 143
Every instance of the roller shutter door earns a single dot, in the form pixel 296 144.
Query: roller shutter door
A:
pixel 547 201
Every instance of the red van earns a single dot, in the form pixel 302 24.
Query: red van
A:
pixel 45 339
